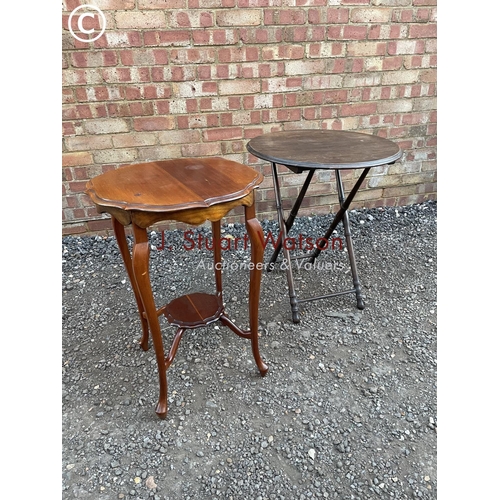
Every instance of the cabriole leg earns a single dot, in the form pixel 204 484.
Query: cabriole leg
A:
pixel 121 241
pixel 140 262
pixel 256 235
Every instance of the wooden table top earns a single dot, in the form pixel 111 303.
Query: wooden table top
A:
pixel 173 185
pixel 334 149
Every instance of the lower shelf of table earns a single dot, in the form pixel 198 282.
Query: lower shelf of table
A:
pixel 194 310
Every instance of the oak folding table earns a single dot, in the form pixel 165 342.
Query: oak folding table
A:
pixel 308 151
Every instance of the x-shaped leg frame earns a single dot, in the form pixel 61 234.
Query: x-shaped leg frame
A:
pixel 285 226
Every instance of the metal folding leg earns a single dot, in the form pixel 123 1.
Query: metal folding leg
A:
pixel 341 215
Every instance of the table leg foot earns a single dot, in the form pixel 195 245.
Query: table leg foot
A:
pixel 144 342
pixel 294 304
pixel 161 409
pixel 360 303
pixel 263 369
pixel 247 334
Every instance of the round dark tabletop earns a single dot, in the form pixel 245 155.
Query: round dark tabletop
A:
pixel 335 149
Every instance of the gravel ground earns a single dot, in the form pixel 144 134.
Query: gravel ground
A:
pixel 347 409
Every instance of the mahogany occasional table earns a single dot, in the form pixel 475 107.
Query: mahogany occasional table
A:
pixel 311 150
pixel 191 191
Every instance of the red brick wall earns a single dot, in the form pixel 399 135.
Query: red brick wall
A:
pixel 186 78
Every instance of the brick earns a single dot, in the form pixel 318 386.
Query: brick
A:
pixel 260 35
pixel 115 156
pixel 354 32
pixel 285 16
pixel 330 96
pixel 423 31
pixel 414 118
pixel 194 89
pixel 392 3
pixel 358 109
pixel 372 64
pixel 153 153
pixel 193 56
pixel 405 190
pixel 94 59
pixel 362 80
pixel 114 4
pixel 291 16
pixel 223 134
pixel 325 49
pixel 119 39
pixel 315 16
pixel 241 17
pixel 406 47
pixel 354 65
pixel 116 75
pixel 370 15
pixel 137 57
pixel 189 19
pixel 337 16
pixel 161 4
pixel 87 143
pixel 201 149
pixel 395 106
pixel 366 49
pixel 321 82
pixel 425 104
pixel 400 77
pixel 288 114
pixel 179 136
pixel 97 94
pixel 304 67
pixel 133 140
pixel 364 195
pixel 238 54
pixel 78 158
pixel 197 121
pixel 397 31
pixel 106 126
pixel 153 123
pixel 78 228
pixel 239 87
pixel 167 38
pixel 392 63
pixel 100 225
pixel 68 129
pixel 129 109
pixel 140 20
pixel 206 4
pixel 215 37
pixel 68 96
pixel 429 75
